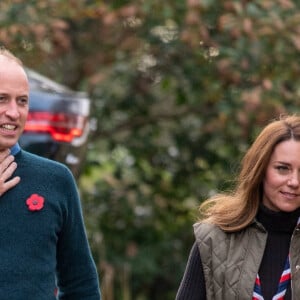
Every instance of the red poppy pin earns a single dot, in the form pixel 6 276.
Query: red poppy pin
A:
pixel 35 202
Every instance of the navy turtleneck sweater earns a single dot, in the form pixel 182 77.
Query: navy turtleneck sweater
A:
pixel 280 226
pixel 43 240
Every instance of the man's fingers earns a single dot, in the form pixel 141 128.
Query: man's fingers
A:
pixel 6 163
pixel 7 168
pixel 8 184
pixel 4 154
pixel 12 182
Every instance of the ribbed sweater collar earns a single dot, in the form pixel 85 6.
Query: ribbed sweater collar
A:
pixel 15 149
pixel 278 221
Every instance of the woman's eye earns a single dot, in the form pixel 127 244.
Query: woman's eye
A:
pixel 282 168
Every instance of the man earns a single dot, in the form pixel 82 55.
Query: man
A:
pixel 44 250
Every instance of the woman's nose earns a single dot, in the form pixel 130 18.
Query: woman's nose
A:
pixel 294 180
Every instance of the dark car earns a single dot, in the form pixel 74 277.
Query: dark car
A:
pixel 58 122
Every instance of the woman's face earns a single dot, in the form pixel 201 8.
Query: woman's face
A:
pixel 281 186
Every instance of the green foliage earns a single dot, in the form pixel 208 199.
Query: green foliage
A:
pixel 180 89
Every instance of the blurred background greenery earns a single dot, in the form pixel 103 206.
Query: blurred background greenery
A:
pixel 179 88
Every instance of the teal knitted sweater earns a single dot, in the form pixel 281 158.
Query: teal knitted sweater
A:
pixel 43 241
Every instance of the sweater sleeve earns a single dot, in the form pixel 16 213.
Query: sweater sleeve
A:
pixel 192 286
pixel 77 277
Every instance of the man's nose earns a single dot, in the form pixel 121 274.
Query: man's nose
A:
pixel 12 110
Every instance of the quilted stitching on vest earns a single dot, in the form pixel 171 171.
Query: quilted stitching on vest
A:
pixel 230 260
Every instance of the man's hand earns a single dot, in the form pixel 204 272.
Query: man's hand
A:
pixel 7 168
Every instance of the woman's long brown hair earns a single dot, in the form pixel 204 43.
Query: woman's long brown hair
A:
pixel 235 210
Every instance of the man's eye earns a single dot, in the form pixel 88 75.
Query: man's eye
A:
pixel 23 101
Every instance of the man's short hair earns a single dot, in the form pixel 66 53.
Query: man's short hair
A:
pixel 8 54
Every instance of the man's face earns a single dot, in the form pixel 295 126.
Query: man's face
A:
pixel 14 102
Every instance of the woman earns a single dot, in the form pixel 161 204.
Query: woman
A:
pixel 247 245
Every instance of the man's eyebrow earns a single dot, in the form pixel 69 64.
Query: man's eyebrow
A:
pixel 7 94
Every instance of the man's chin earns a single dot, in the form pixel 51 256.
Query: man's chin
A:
pixel 7 144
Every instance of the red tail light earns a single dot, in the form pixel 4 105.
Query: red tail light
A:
pixel 62 127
